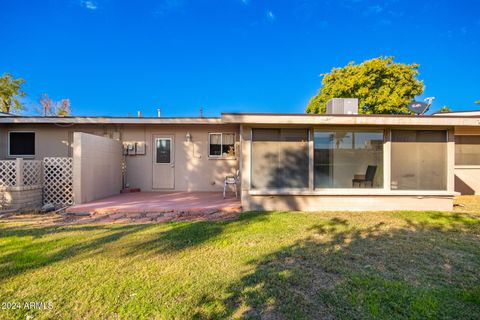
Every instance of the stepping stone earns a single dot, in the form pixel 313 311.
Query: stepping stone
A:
pixel 144 220
pixel 117 215
pixel 164 219
pixel 154 215
pixel 135 215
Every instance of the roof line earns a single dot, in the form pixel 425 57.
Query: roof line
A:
pixel 337 115
pixel 477 110
pixel 101 117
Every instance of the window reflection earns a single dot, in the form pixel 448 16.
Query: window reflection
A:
pixel 280 158
pixel 348 159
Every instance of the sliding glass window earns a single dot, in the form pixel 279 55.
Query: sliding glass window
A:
pixel 419 160
pixel 348 159
pixel 279 158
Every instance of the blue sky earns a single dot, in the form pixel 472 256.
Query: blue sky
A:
pixel 113 57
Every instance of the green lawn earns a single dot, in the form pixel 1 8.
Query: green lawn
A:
pixel 272 266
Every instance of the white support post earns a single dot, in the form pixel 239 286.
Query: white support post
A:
pixel 311 159
pixel 451 160
pixel 19 172
pixel 387 161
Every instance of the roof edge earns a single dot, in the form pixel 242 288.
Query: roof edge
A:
pixel 111 120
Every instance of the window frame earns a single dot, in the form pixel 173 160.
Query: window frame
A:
pixel 351 129
pixel 387 150
pixel 156 150
pixel 447 159
pixel 296 190
pixel 22 155
pixel 221 156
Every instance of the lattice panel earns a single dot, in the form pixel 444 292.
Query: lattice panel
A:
pixel 32 172
pixel 58 181
pixel 7 173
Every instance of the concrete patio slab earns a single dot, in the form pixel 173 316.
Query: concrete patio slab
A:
pixel 184 203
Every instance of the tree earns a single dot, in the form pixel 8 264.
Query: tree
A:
pixel 52 108
pixel 477 102
pixel 445 109
pixel 10 93
pixel 47 104
pixel 63 108
pixel 381 86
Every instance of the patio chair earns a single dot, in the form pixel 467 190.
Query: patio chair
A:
pixel 229 180
pixel 365 179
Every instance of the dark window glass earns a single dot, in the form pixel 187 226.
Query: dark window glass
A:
pixel 280 158
pixel 348 159
pixel 467 150
pixel 22 143
pixel 222 145
pixel 216 144
pixel 163 150
pixel 419 160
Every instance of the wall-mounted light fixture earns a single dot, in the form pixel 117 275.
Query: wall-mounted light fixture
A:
pixel 188 137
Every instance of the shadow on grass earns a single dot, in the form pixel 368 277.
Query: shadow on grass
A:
pixel 187 235
pixel 28 255
pixel 39 248
pixel 425 268
pixel 419 270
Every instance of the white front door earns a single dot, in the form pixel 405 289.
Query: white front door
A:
pixel 163 162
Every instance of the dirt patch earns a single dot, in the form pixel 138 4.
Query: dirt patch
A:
pixel 118 218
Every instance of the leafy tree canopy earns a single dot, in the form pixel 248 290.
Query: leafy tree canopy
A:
pixel 445 109
pixel 10 93
pixel 381 86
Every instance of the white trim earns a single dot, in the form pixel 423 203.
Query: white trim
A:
pixel 310 140
pixel 250 187
pixel 352 130
pixel 387 160
pixel 21 155
pixel 311 158
pixel 467 166
pixel 221 156
pixel 323 119
pixel 111 120
pixel 349 192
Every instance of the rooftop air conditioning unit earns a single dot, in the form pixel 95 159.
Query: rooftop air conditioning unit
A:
pixel 342 106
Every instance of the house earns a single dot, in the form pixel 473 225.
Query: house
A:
pixel 334 161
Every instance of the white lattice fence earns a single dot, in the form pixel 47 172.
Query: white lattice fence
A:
pixel 58 180
pixel 32 172
pixel 7 173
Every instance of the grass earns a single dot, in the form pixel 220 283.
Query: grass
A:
pixel 281 265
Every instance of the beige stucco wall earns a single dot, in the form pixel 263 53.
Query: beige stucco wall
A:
pixel 345 202
pixel 97 163
pixel 467 130
pixel 194 169
pixel 467 178
pixel 52 140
